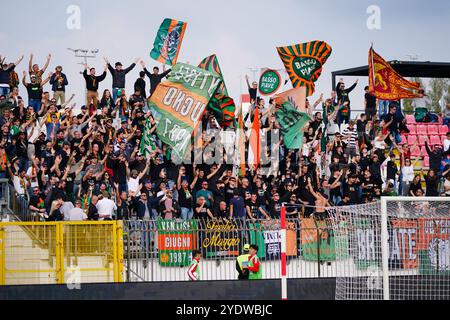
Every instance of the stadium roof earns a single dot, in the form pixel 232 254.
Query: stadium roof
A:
pixel 420 69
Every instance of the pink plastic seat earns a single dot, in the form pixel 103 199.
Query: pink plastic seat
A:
pixel 412 139
pixel 410 119
pixel 412 128
pixel 404 139
pixel 415 152
pixel 423 151
pixel 421 129
pixel 422 139
pixel 426 162
pixel 443 129
pixel 435 140
pixel 432 130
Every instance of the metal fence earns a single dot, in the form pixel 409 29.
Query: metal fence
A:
pixel 161 250
pixel 4 198
pixel 60 252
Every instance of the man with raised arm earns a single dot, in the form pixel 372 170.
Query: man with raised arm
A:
pixel 34 70
pixel 118 75
pixel 92 82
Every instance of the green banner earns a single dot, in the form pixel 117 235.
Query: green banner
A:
pixel 176 240
pixel 292 122
pixel 179 104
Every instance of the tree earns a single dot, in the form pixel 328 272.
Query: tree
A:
pixel 407 103
pixel 436 91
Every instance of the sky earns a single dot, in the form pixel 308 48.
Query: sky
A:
pixel 243 35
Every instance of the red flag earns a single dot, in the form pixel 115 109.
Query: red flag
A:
pixel 385 83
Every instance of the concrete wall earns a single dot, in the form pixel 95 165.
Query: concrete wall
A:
pixel 298 289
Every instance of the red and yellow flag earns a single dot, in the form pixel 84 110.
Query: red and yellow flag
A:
pixel 385 83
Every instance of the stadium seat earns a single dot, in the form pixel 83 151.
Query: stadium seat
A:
pixel 443 129
pixel 410 119
pixel 435 140
pixel 423 151
pixel 415 152
pixel 422 139
pixel 421 129
pixel 412 139
pixel 432 130
pixel 404 139
pixel 412 128
pixel 426 162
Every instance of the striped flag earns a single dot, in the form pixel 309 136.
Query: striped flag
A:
pixel 167 44
pixel 239 167
pixel 254 146
pixel 304 63
pixel 147 146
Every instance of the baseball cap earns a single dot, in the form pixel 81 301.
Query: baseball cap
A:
pixel 246 247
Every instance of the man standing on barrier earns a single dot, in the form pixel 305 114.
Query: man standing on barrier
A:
pixel 254 266
pixel 241 262
pixel 194 270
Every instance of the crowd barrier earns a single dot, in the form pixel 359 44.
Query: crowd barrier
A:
pixel 161 250
pixel 61 252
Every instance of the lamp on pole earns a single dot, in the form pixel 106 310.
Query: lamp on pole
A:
pixel 85 54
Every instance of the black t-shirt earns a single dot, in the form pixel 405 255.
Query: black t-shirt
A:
pixel 353 192
pixel 432 186
pixel 34 91
pixel 185 198
pixel 371 101
pixel 202 214
pixel 253 208
pixel 228 193
pixel 275 209
pixel 335 192
pixel 414 187
pixel 253 93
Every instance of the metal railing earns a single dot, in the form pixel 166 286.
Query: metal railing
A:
pixel 61 252
pixel 161 250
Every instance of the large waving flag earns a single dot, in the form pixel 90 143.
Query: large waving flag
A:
pixel 221 105
pixel 168 41
pixel 296 96
pixel 179 104
pixel 291 122
pixel 254 146
pixel 304 63
pixel 385 83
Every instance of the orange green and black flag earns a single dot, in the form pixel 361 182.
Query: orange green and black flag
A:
pixel 167 44
pixel 385 83
pixel 304 63
pixel 221 105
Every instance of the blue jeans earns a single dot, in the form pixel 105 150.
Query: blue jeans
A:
pixel 36 104
pixel 4 91
pixel 115 93
pixel 186 213
pixel 383 106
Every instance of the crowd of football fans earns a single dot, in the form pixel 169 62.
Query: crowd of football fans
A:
pixel 72 163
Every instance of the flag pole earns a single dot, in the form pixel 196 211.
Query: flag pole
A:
pixel 283 253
